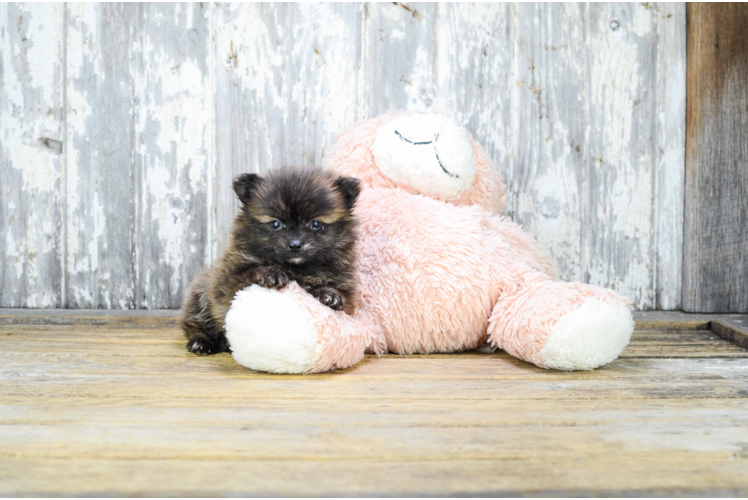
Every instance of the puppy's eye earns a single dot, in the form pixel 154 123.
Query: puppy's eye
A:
pixel 276 225
pixel 315 225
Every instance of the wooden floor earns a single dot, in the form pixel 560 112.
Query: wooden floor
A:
pixel 116 406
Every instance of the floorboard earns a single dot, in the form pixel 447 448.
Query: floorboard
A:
pixel 114 405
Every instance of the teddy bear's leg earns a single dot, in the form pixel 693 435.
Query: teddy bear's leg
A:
pixel 289 331
pixel 563 326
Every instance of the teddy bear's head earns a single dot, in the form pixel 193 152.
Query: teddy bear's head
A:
pixel 422 153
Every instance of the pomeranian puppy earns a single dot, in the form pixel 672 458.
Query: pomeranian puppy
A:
pixel 295 224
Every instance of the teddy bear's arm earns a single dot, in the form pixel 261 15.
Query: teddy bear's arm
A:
pixel 289 331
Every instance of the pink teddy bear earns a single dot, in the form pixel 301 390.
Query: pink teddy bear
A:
pixel 440 270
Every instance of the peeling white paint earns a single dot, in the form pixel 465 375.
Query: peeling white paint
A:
pixel 420 87
pixel 43 26
pixel 99 225
pixel 642 21
pixel 173 130
pixel 620 150
pixel 30 126
pixel 81 39
pixel 38 166
pixel 183 101
pixel 671 139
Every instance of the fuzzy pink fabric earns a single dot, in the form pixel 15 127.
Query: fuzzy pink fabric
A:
pixel 342 339
pixel 353 156
pixel 521 322
pixel 431 272
pixel 428 297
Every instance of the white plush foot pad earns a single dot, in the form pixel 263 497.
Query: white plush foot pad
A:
pixel 592 335
pixel 268 332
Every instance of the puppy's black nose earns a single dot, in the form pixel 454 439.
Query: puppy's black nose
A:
pixel 294 245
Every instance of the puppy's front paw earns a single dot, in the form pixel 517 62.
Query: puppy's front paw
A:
pixel 330 297
pixel 199 347
pixel 272 277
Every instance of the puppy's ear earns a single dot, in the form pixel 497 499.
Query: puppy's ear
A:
pixel 245 185
pixel 349 188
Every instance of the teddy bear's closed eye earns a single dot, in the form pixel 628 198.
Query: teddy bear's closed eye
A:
pixel 430 153
pixel 429 143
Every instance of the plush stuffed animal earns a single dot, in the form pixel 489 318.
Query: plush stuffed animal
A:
pixel 440 270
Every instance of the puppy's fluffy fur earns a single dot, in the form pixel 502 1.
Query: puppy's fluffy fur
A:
pixel 294 224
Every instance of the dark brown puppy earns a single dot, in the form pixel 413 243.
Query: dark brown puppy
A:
pixel 294 225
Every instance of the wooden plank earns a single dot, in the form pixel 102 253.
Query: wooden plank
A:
pixel 140 340
pixel 168 317
pixel 486 413
pixel 669 151
pixel 149 358
pixel 684 350
pixel 635 474
pixel 288 82
pixel 137 232
pixel 671 320
pixel 726 380
pixel 645 320
pixel 669 325
pixel 22 314
pixel 174 97
pixel 551 89
pixel 31 151
pixel 78 321
pixel 149 347
pixel 102 65
pixel 82 329
pixel 618 241
pixel 400 57
pixel 256 434
pixel 672 335
pixel 27 410
pixel 132 328
pixel 716 206
pixel 156 337
pixel 475 74
pixel 734 330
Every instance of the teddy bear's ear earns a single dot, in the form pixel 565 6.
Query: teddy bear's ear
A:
pixel 349 188
pixel 245 185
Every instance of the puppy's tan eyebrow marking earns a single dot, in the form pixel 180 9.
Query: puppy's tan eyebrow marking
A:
pixel 263 218
pixel 332 217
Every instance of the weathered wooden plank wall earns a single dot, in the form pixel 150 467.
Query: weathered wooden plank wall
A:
pixel 715 274
pixel 137 157
pixel 31 167
pixel 121 127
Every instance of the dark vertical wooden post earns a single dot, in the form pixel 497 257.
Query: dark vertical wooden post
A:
pixel 715 247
